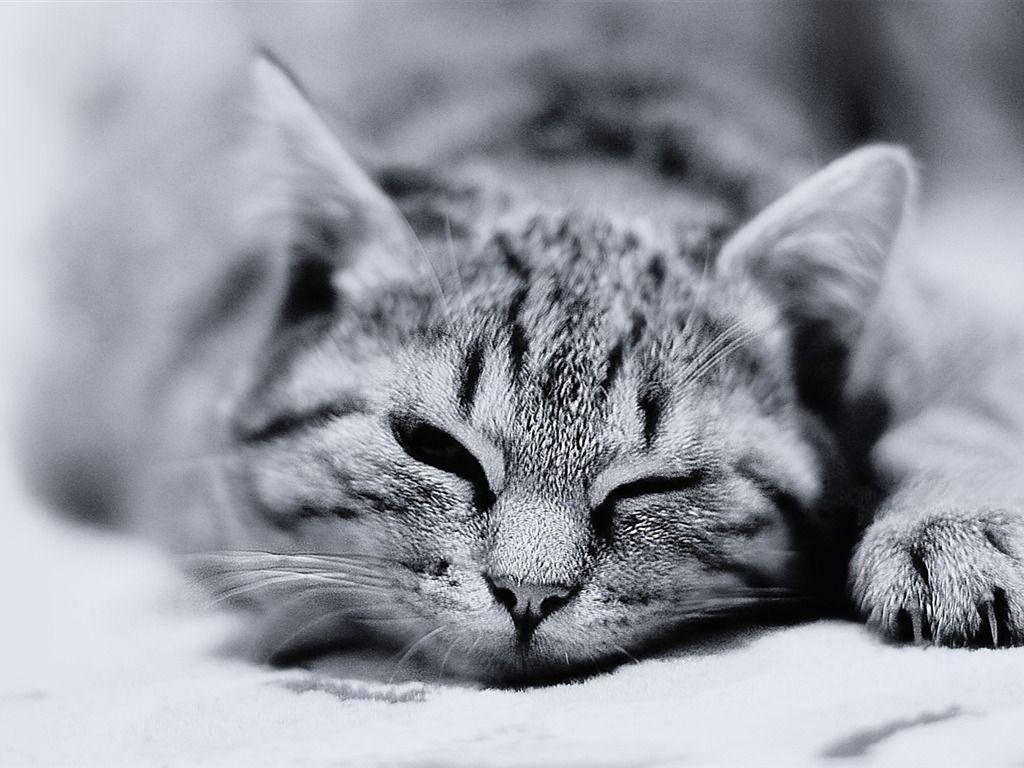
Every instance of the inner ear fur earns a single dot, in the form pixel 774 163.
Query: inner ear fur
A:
pixel 310 202
pixel 820 252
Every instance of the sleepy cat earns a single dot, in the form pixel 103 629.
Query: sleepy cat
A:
pixel 517 420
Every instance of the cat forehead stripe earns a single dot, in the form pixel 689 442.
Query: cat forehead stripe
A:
pixel 472 367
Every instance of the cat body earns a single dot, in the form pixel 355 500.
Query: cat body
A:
pixel 536 410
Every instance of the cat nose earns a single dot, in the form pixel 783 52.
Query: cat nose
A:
pixel 529 604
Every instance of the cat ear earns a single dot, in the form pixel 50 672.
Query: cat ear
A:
pixel 819 253
pixel 311 200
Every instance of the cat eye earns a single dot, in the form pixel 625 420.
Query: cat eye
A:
pixel 433 446
pixel 652 486
pixel 655 485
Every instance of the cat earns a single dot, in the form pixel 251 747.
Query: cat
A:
pixel 544 411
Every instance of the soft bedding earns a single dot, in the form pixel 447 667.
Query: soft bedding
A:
pixel 110 660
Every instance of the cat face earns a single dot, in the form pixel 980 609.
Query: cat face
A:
pixel 551 438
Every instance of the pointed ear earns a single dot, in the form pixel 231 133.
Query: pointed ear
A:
pixel 819 253
pixel 311 201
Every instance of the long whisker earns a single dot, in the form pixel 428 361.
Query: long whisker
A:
pixel 255 557
pixel 235 592
pixel 336 583
pixel 626 653
pixel 322 618
pixel 412 648
pixel 434 277
pixel 207 568
pixel 231 579
pixel 450 244
pixel 709 349
pixel 723 353
pixel 302 629
pixel 698 297
pixel 212 570
pixel 722 346
pixel 444 661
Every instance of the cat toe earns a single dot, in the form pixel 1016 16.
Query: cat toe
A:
pixel 949 578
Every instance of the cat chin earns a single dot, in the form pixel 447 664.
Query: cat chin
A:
pixel 417 652
pixel 514 666
pixel 370 664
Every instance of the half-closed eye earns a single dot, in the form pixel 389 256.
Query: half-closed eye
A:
pixel 431 445
pixel 654 485
pixel 647 486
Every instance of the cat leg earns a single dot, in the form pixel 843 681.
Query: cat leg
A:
pixel 943 560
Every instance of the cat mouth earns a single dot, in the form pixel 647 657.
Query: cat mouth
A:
pixel 492 659
pixel 500 656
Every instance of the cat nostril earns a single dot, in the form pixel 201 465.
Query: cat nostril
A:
pixel 551 604
pixel 504 596
pixel 528 603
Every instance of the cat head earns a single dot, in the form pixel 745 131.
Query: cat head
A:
pixel 522 441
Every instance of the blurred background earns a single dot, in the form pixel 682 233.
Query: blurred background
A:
pixel 102 97
pixel 120 189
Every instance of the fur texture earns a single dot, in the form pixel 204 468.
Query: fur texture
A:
pixel 536 412
pixel 531 439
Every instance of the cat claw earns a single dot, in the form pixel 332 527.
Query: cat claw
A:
pixel 948 579
pixel 993 623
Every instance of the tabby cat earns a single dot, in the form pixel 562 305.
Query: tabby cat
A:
pixel 542 412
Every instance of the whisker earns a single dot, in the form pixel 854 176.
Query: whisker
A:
pixel 716 351
pixel 450 244
pixel 626 653
pixel 709 350
pixel 303 628
pixel 412 648
pixel 698 297
pixel 230 594
pixel 723 353
pixel 259 557
pixel 336 583
pixel 326 569
pixel 228 579
pixel 444 661
pixel 213 567
pixel 322 618
pixel 434 277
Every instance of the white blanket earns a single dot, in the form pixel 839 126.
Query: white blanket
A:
pixel 107 663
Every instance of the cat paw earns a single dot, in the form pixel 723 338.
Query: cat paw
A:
pixel 951 577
